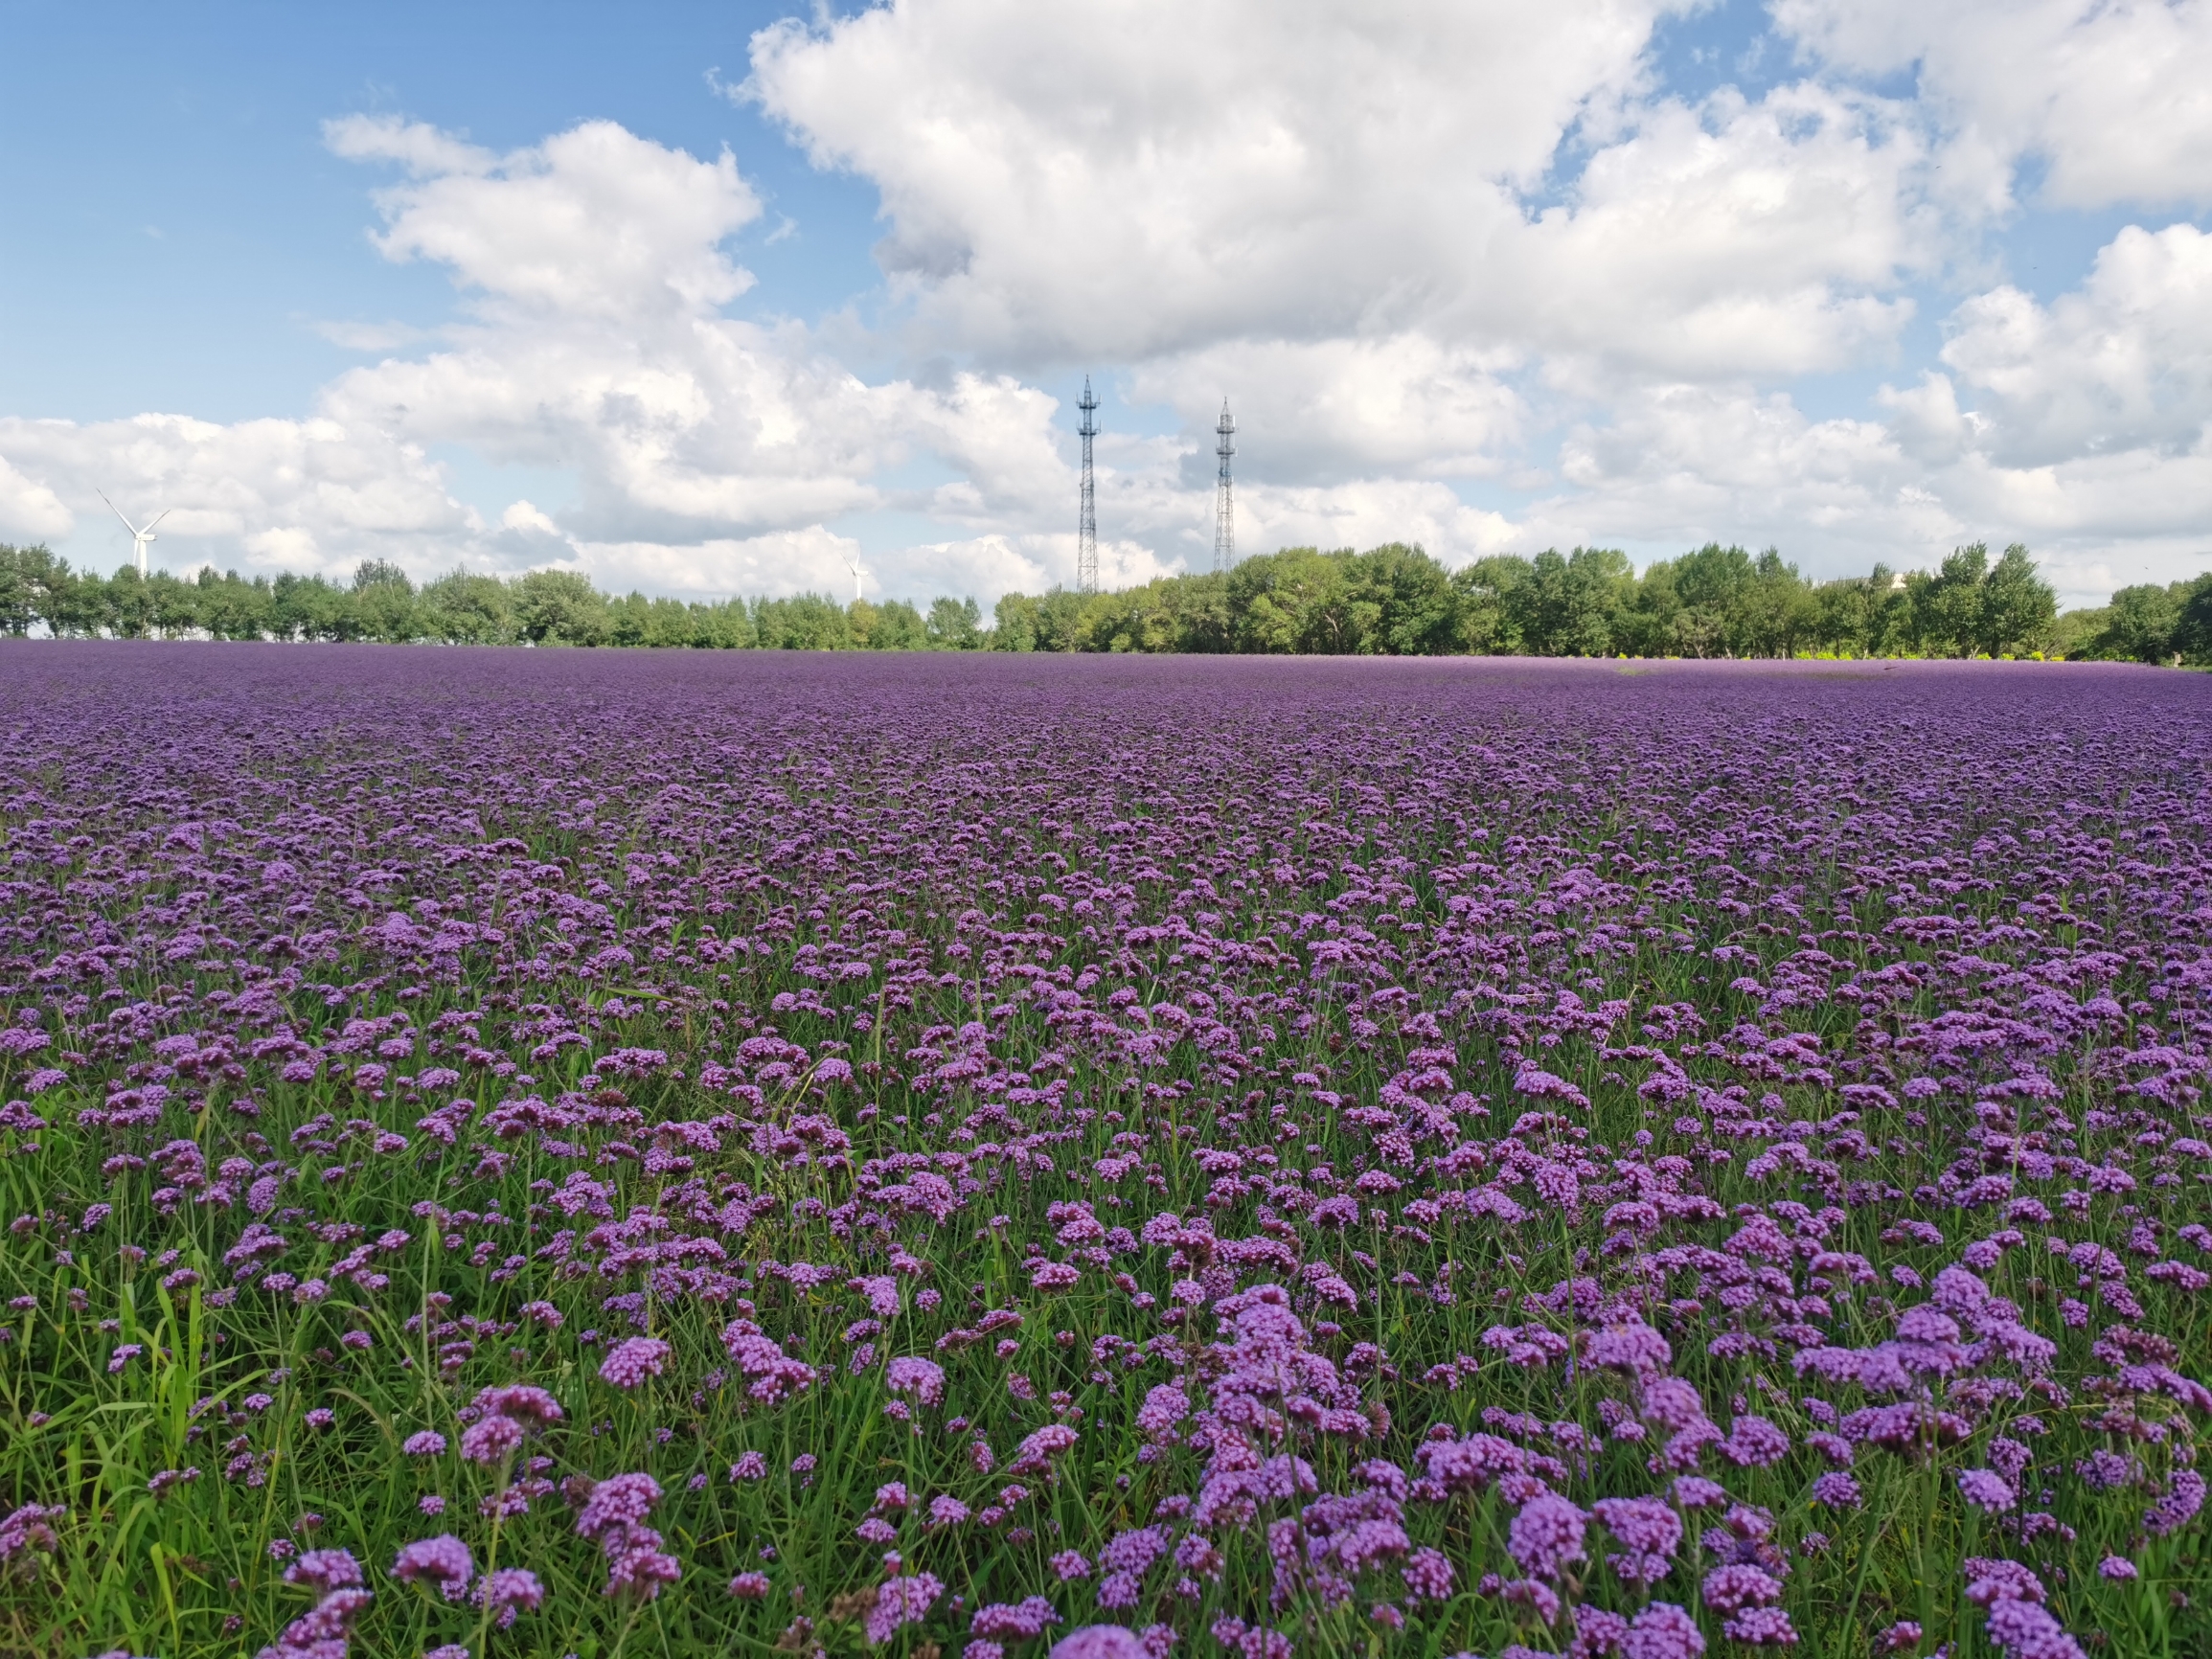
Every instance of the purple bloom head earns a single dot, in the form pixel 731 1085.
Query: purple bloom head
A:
pixel 641 1572
pixel 1101 1641
pixel 1987 1491
pixel 2177 1506
pixel 2024 1630
pixel 1633 1347
pixel 628 1363
pixel 921 1379
pixel 512 1590
pixel 489 1438
pixel 1662 1632
pixel 1546 1536
pixel 617 1504
pixel 524 1403
pixel 1759 1627
pixel 1015 1621
pixel 324 1570
pixel 1837 1490
pixel 443 1560
pixel 901 1602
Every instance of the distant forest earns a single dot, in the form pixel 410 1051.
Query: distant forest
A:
pixel 1391 600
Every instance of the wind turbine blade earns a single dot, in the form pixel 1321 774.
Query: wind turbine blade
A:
pixel 159 517
pixel 118 512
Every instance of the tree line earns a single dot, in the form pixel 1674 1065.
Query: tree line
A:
pixel 1394 600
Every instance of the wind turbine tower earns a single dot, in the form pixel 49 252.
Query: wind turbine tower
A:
pixel 854 564
pixel 140 538
pixel 1225 502
pixel 1086 518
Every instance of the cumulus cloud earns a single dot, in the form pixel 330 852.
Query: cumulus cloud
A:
pixel 2123 362
pixel 2110 95
pixel 307 495
pixel 594 267
pixel 1435 256
pixel 1264 174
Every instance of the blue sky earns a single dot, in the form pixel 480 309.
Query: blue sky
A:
pixel 1855 281
pixel 187 226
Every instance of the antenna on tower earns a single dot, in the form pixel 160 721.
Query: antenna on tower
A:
pixel 1224 502
pixel 1086 518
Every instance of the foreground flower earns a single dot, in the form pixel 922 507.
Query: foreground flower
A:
pixel 1101 1641
pixel 901 1602
pixel 443 1560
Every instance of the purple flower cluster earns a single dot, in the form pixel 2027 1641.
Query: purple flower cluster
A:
pixel 1234 1149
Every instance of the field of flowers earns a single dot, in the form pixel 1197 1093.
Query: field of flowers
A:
pixel 554 1154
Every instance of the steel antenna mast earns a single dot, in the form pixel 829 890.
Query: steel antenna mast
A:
pixel 1087 520
pixel 1225 502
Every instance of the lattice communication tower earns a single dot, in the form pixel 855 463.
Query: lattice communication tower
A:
pixel 1087 520
pixel 1225 502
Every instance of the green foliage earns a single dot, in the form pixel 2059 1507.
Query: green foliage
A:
pixel 559 607
pixel 462 609
pixel 953 624
pixel 807 622
pixel 1388 601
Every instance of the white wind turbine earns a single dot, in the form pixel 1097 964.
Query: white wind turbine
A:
pixel 852 564
pixel 140 538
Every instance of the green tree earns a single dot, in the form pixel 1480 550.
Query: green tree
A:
pixel 308 607
pixel 1013 623
pixel 894 626
pixel 953 624
pixel 382 604
pixel 1774 613
pixel 2139 625
pixel 1947 606
pixel 2016 608
pixel 38 587
pixel 724 625
pixel 559 607
pixel 172 606
pixel 1062 619
pixel 72 604
pixel 232 608
pixel 128 609
pixel 1567 607
pixel 1489 606
pixel 2193 618
pixel 805 621
pixel 462 608
pixel 1647 624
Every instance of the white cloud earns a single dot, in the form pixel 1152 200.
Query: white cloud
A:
pixel 2109 94
pixel 812 560
pixel 2121 363
pixel 420 149
pixel 1307 175
pixel 595 221
pixel 304 494
pixel 28 510
pixel 1679 465
pixel 1417 244
pixel 1734 239
pixel 1210 171
pixel 1329 410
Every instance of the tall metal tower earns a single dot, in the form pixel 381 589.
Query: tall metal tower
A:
pixel 1224 505
pixel 1086 522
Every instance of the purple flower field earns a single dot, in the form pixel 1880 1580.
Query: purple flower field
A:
pixel 544 1153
